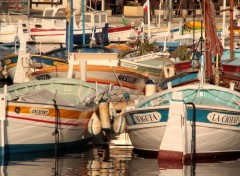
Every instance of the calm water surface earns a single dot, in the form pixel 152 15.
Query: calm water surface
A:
pixel 108 160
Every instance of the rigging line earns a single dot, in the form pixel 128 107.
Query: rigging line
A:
pixel 116 76
pixel 56 134
pixel 193 140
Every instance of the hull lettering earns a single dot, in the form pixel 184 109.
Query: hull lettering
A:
pixel 226 119
pixel 38 111
pixel 147 117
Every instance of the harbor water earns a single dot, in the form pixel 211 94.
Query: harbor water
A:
pixel 109 160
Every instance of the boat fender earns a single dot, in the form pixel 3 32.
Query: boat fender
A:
pixel 5 72
pixel 119 124
pixel 94 125
pixel 150 88
pixel 112 112
pixel 104 114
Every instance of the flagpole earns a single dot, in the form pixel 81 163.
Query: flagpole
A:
pixel 159 14
pixel 149 22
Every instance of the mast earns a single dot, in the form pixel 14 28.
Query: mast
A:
pixel 213 44
pixel 207 43
pixel 231 30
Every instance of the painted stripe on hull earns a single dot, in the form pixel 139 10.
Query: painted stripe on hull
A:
pixel 46 121
pixel 64 113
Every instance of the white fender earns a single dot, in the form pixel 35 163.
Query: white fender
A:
pixel 119 124
pixel 150 88
pixel 104 114
pixel 94 125
pixel 112 111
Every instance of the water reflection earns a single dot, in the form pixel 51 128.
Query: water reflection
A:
pixel 111 161
pixel 207 168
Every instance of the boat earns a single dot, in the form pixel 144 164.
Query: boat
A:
pixel 52 27
pixel 41 114
pixel 230 73
pixel 188 76
pixel 197 25
pixel 163 122
pixel 121 34
pixel 199 120
pixel 61 52
pixel 115 75
pixel 36 62
pixel 157 65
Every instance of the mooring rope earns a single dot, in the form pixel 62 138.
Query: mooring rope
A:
pixel 56 134
pixel 193 141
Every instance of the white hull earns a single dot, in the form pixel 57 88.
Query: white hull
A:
pixel 28 128
pixel 161 124
pixel 214 138
pixel 121 36
pixel 117 76
pixel 147 137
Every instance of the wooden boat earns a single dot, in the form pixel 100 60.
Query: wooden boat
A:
pixel 36 62
pixel 182 78
pixel 197 25
pixel 46 113
pixel 115 75
pixel 230 78
pixel 173 114
pixel 121 33
pixel 157 65
pixel 230 73
pixel 61 52
pixel 52 28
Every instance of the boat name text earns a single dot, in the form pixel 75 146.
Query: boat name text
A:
pixel 127 78
pixel 38 111
pixel 226 119
pixel 147 117
pixel 43 77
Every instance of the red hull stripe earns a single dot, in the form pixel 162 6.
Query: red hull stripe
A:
pixel 119 29
pixel 47 121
